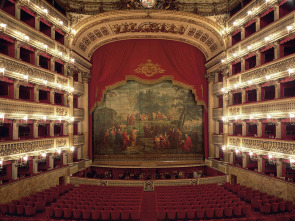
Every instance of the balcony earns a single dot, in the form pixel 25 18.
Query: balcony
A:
pixel 262 145
pixel 78 114
pixel 78 139
pixel 10 148
pixel 16 109
pixel 279 108
pixel 78 88
pixel 16 69
pixel 217 113
pixel 218 139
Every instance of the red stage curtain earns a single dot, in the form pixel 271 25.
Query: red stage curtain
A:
pixel 114 63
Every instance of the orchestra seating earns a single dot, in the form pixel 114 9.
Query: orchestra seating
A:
pixel 230 202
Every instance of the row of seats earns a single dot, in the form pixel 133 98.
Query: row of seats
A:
pixel 87 214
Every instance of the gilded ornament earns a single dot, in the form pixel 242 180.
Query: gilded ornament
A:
pixel 149 69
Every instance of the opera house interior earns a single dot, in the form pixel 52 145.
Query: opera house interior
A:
pixel 147 110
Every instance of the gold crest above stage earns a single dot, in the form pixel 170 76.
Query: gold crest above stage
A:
pixel 149 69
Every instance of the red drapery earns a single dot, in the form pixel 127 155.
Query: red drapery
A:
pixel 27 10
pixel 115 63
pixel 265 13
pixel 250 23
pixel 45 22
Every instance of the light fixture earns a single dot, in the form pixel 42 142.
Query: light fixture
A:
pixel 289 28
pixel 291 115
pixel 43 155
pixel 235 23
pixel 72 89
pixel 44 118
pixel 2 25
pixel 290 71
pixel 236 118
pixel 45 47
pixel 73 31
pixel 72 60
pixel 59 151
pixel 59 86
pixel 250 82
pixel 2 70
pixel 267 39
pixel 25 158
pixel 267 77
pixel 222 60
pixel 249 47
pixel 27 38
pixel 61 22
pixel 60 53
pixel 223 148
pixel 268 116
pixel 235 86
pixel 222 89
pixel 26 77
pixel 251 117
pixel 45 10
pixel 250 12
pixel 45 82
pixel 25 117
pixel 59 118
pixel 72 148
pixel 292 164
pixel 235 55
pixel 250 153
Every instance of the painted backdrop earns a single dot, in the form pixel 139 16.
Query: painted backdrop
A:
pixel 148 119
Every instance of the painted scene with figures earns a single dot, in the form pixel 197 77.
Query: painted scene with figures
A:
pixel 148 119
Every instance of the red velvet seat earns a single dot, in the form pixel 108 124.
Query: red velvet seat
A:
pixel 191 214
pixel 228 212
pixel 289 206
pixel 95 214
pixel 20 209
pixel 30 210
pixel 125 214
pixel 171 214
pixel 67 213
pixel 3 209
pixel 115 215
pixel 246 210
pixel 209 212
pixel 283 217
pixel 218 212
pixel 105 215
pixel 237 211
pixel 274 207
pixel 256 204
pixel 49 211
pixel 12 208
pixel 282 206
pixel 265 208
pixel 58 212
pixel 135 214
pixel 77 213
pixel 181 214
pixel 86 214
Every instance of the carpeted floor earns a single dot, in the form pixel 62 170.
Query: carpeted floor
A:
pixel 148 207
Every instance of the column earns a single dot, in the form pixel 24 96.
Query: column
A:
pixel 279 165
pixel 244 160
pixel 242 32
pixel 64 158
pixel 261 164
pixel 52 64
pixel 230 70
pixel 36 93
pixel 244 129
pixel 79 153
pixel 85 127
pixel 66 70
pixel 17 10
pixel 37 57
pixel 229 40
pixel 230 100
pixel 258 91
pixel 216 127
pixel 17 50
pixel 15 130
pixel 66 129
pixel 277 90
pixel 53 32
pixel 258 58
pixel 277 50
pixel 278 129
pixel 231 157
pixel 243 64
pixel 210 117
pixel 276 12
pixel 35 165
pixel 14 170
pixel 259 129
pixel 37 22
pixel 16 89
pixel 51 129
pixel 51 161
pixel 243 91
pixel 231 128
pixel 257 23
pixel 35 129
pixel 52 96
pixel 224 109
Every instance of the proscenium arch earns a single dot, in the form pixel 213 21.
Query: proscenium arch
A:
pixel 100 29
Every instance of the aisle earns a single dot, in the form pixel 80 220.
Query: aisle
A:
pixel 148 207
